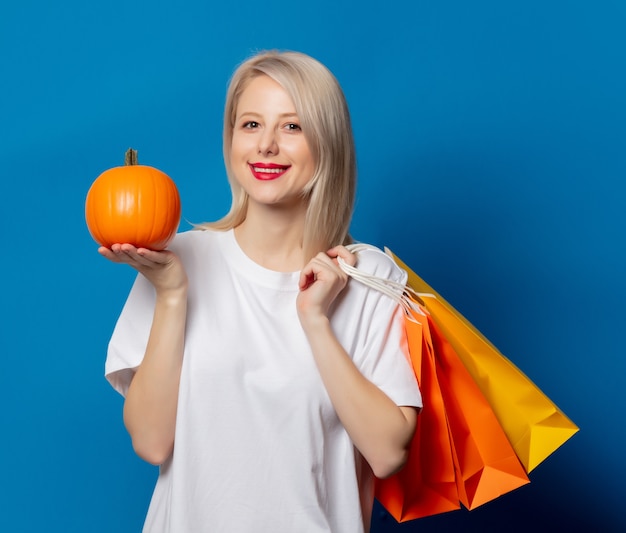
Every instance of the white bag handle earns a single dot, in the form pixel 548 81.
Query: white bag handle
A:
pixel 402 294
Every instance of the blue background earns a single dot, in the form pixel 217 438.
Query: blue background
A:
pixel 492 159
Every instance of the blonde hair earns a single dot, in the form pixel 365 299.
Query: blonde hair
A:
pixel 325 120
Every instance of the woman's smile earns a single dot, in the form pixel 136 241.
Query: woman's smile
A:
pixel 268 171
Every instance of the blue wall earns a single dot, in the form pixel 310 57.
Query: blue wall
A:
pixel 492 157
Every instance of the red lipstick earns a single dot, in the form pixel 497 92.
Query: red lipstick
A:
pixel 267 171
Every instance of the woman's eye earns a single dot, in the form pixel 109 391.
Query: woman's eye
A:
pixel 251 124
pixel 293 127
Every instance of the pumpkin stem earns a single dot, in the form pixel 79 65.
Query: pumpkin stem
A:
pixel 131 157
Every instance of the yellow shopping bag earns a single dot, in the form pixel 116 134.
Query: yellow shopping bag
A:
pixel 534 425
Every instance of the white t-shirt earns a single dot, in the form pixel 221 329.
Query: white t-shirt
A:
pixel 258 445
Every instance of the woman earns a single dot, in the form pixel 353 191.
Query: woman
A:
pixel 269 389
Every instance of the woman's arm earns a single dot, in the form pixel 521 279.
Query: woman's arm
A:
pixel 379 429
pixel 152 397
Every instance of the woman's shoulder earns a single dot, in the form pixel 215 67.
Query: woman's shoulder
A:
pixel 194 236
pixel 198 243
pixel 374 261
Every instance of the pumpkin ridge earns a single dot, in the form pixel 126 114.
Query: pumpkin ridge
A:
pixel 154 231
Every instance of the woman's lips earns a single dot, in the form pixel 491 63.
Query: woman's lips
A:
pixel 267 171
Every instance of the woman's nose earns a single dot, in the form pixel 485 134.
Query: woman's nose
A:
pixel 267 142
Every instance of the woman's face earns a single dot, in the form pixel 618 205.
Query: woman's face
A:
pixel 270 157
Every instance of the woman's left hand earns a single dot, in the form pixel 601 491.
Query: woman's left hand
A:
pixel 321 281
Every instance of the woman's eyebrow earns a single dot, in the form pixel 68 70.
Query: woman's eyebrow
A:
pixel 255 114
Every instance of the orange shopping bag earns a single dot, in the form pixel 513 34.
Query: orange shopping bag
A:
pixel 486 463
pixel 459 453
pixel 427 483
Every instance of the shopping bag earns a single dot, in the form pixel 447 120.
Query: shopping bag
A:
pixel 427 484
pixel 534 425
pixel 486 463
pixel 459 453
pixel 498 424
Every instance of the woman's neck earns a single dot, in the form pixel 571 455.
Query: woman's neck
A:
pixel 273 239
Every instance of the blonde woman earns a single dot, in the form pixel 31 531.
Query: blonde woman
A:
pixel 268 387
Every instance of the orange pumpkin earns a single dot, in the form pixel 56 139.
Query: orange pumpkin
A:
pixel 133 204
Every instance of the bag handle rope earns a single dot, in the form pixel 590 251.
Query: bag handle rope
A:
pixel 402 294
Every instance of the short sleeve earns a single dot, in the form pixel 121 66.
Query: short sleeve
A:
pixel 130 336
pixel 380 346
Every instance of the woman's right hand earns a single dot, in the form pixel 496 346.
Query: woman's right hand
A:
pixel 163 269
